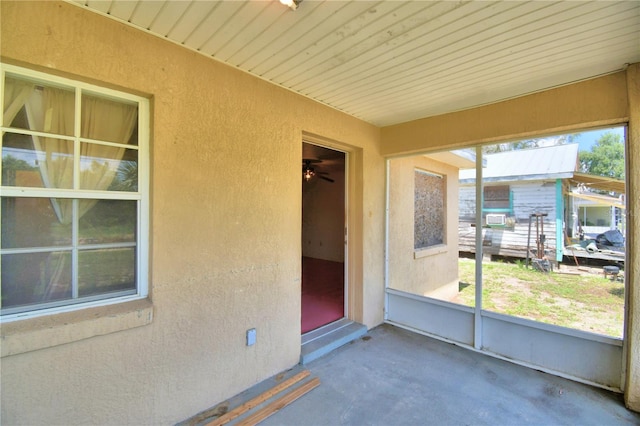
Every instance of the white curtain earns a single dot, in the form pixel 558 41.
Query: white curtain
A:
pixel 52 110
pixel 102 119
pixel 16 93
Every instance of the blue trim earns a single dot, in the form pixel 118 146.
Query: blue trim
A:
pixel 497 210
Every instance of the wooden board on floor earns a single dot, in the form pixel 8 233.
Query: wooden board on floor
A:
pixel 268 394
pixel 280 403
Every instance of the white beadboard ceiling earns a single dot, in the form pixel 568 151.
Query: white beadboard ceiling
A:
pixel 388 62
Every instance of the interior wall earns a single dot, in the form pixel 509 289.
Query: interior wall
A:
pixel 225 248
pixel 435 272
pixel 323 218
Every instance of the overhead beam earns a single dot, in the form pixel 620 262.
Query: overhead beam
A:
pixel 597 102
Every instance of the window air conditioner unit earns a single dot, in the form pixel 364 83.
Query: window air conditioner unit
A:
pixel 496 219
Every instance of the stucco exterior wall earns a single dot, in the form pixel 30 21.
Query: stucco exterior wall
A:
pixel 598 102
pixel 632 389
pixel 225 249
pixel 431 271
pixel 225 246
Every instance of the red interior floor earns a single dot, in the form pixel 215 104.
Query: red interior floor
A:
pixel 322 292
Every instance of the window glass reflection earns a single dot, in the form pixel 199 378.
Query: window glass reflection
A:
pixel 109 221
pixel 35 222
pixel 106 270
pixel 34 278
pixel 110 168
pixel 39 162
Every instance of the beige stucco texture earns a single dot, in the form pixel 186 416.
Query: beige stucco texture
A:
pixel 632 390
pixel 225 249
pixel 431 271
pixel 226 221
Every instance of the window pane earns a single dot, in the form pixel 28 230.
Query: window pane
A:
pixel 106 270
pixel 497 198
pixel 35 222
pixel 20 161
pixel 543 260
pixel 48 109
pixel 108 120
pixel 466 239
pixel 108 168
pixel 36 161
pixel 109 221
pixel 34 278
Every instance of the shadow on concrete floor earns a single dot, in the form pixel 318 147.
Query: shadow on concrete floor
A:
pixel 395 377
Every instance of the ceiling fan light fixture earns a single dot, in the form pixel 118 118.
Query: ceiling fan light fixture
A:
pixel 308 174
pixel 292 4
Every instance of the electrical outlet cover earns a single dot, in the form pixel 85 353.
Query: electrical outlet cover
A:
pixel 251 337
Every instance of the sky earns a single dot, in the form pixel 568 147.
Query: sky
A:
pixel 587 139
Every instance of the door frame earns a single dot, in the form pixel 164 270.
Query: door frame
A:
pixel 353 208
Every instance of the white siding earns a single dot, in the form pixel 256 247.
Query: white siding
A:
pixel 528 198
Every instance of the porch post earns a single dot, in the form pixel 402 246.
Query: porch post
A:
pixel 632 267
pixel 559 221
pixel 477 323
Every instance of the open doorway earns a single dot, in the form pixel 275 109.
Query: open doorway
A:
pixel 323 231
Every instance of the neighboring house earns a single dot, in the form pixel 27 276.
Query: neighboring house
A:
pixel 208 245
pixel 518 185
pixel 594 213
pixel 537 191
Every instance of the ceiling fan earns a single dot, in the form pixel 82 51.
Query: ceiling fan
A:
pixel 308 171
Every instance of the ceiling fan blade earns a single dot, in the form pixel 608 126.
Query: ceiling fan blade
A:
pixel 326 178
pixel 309 161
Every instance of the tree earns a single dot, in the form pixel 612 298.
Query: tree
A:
pixel 126 178
pixel 9 162
pixel 529 143
pixel 606 157
pixel 10 165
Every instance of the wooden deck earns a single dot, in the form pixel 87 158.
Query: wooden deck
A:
pixel 606 255
pixel 507 242
pixel 512 242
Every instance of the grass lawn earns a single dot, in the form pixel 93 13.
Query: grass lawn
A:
pixel 586 302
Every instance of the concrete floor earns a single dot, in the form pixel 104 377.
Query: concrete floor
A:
pixel 395 377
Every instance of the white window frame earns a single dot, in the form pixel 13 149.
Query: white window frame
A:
pixel 141 196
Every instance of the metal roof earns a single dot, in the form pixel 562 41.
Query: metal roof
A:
pixel 552 162
pixel 388 62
